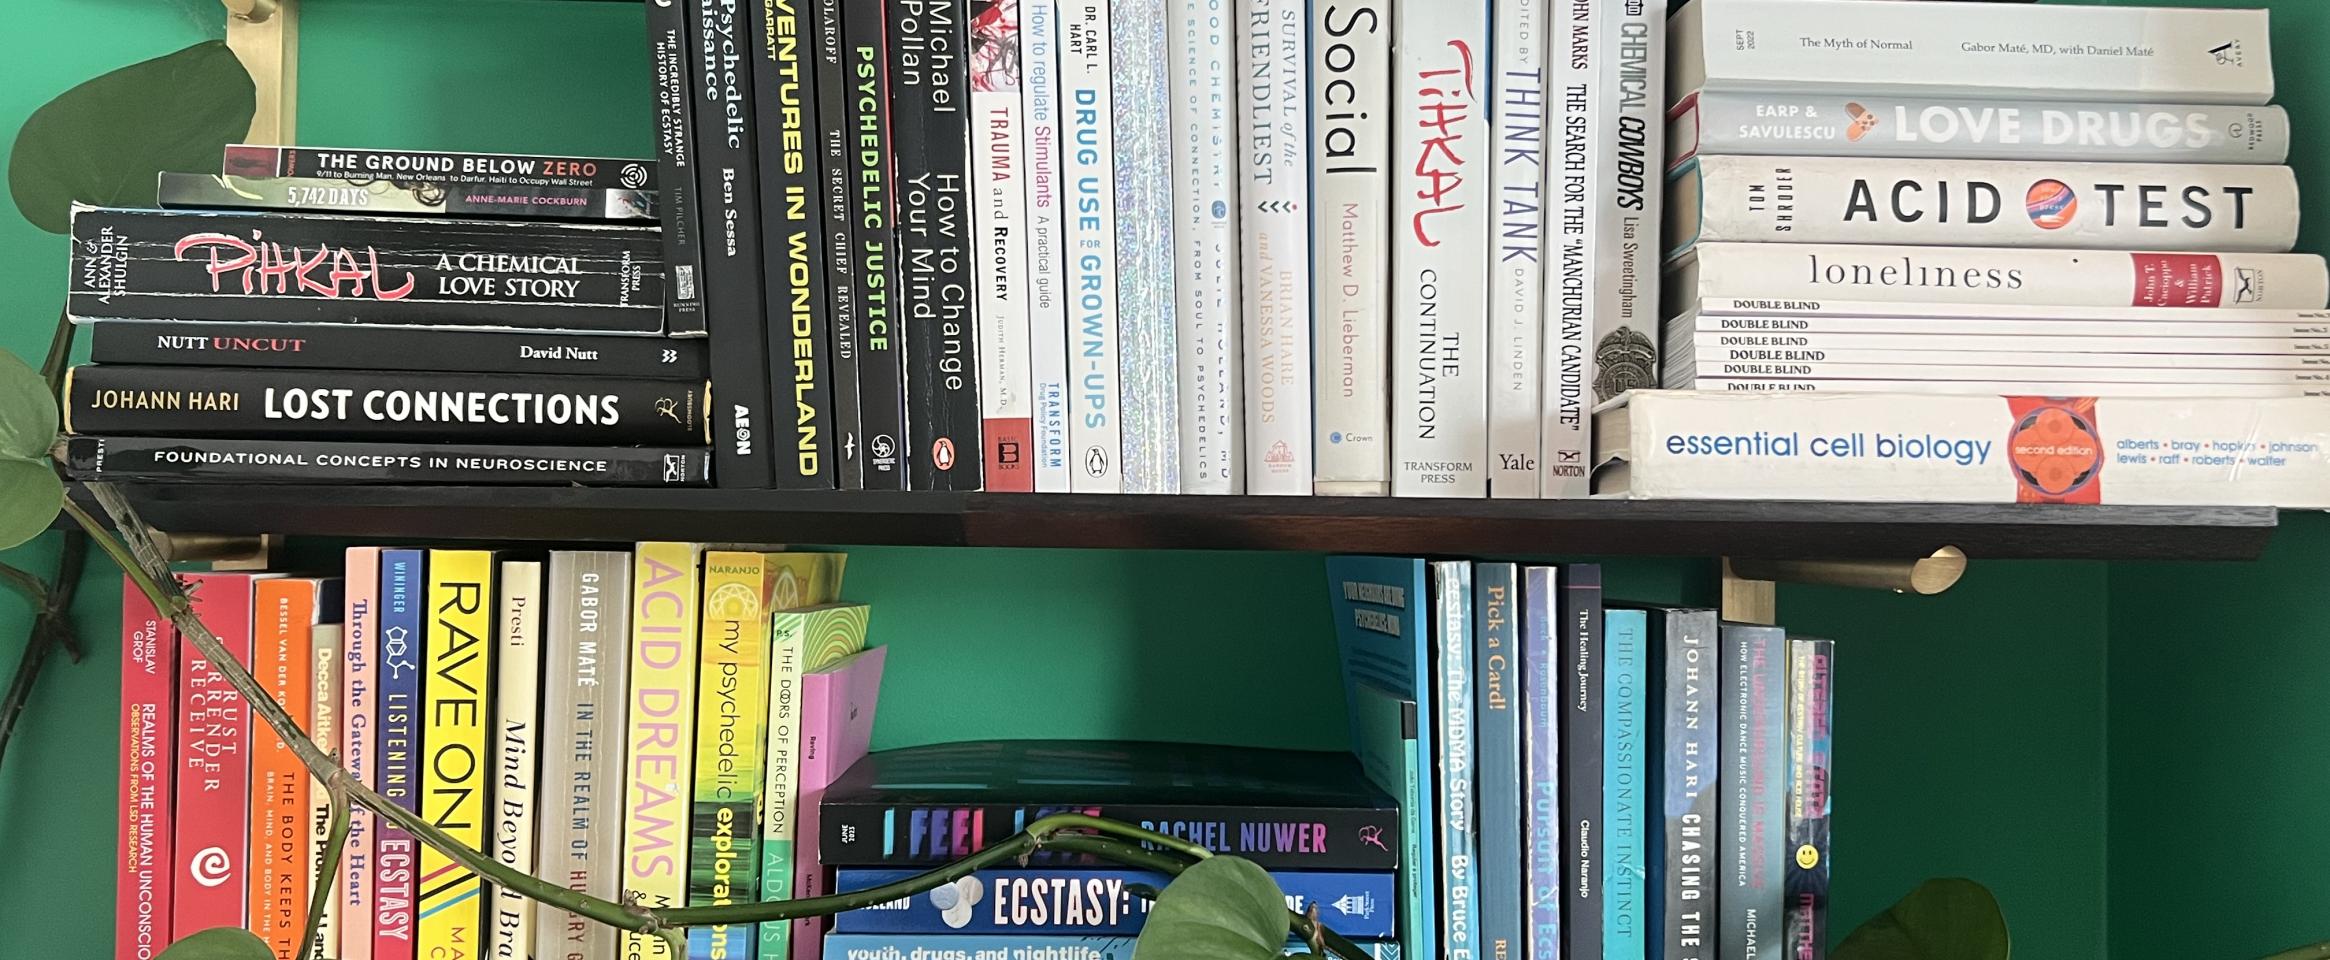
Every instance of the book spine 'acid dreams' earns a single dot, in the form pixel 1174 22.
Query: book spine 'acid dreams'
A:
pixel 1088 187
pixel 1444 151
pixel 1844 125
pixel 1047 275
pixel 504 169
pixel 315 346
pixel 1996 276
pixel 1351 228
pixel 1515 341
pixel 517 747
pixel 1208 349
pixel 1811 708
pixel 149 767
pixel 659 768
pixel 672 67
pixel 1000 172
pixel 930 114
pixel 880 344
pixel 403 648
pixel 1149 333
pixel 1753 782
pixel 1624 779
pixel 1275 244
pixel 793 252
pixel 586 641
pixel 317 461
pixel 455 777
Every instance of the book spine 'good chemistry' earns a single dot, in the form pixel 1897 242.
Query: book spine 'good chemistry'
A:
pixel 1208 347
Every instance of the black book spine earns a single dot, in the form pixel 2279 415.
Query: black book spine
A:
pixel 1751 899
pixel 589 173
pixel 1581 749
pixel 1684 680
pixel 836 135
pixel 211 460
pixel 414 198
pixel 930 99
pixel 324 346
pixel 858 834
pixel 735 303
pixel 784 78
pixel 295 268
pixel 675 159
pixel 369 405
pixel 873 221
pixel 1811 708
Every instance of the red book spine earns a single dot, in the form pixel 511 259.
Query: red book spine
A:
pixel 149 724
pixel 214 765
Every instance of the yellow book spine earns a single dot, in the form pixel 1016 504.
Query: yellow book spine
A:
pixel 731 731
pixel 454 775
pixel 659 770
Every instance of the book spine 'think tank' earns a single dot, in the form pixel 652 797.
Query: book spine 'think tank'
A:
pixel 1088 185
pixel 1047 294
pixel 339 163
pixel 1148 330
pixel 735 304
pixel 793 250
pixel 149 766
pixel 1351 183
pixel 836 202
pixel 1623 160
pixel 281 267
pixel 210 191
pixel 324 346
pixel 1000 222
pixel 1811 708
pixel 1580 701
pixel 322 461
pixel 930 126
pixel 677 205
pixel 873 220
pixel 1517 275
pixel 1201 45
pixel 1753 784
pixel 1497 705
pixel 586 645
pixel 453 781
pixel 1842 125
pixel 403 646
pixel 1275 244
pixel 659 770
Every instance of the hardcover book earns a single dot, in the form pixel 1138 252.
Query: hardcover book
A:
pixel 320 346
pixel 360 642
pixel 1047 296
pixel 403 649
pixel 1625 214
pixel 1996 276
pixel 1542 685
pixel 1200 57
pixel 1811 708
pixel 1585 848
pixel 1282 809
pixel 284 616
pixel 586 645
pixel 454 781
pixel 793 266
pixel 397 197
pixel 1351 228
pixel 804 639
pixel 1452 648
pixel 1000 264
pixel 930 126
pixel 317 461
pixel 1497 713
pixel 517 733
pixel 1752 788
pixel 1275 245
pixel 2063 386
pixel 879 460
pixel 149 767
pixel 1989 128
pixel 837 726
pixel 1088 188
pixel 1683 713
pixel 659 763
pixel 497 169
pixel 210 860
pixel 1517 274
pixel 1383 640
pixel 324 676
pixel 668 31
pixel 1625 724
pixel 1793 317
pixel 728 195
pixel 1148 330
pixel 1092 902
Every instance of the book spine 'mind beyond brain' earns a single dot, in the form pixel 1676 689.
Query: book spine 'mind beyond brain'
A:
pixel 1201 46
pixel 1998 276
pixel 517 736
pixel 1811 708
pixel 873 219
pixel 1089 257
pixel 1452 703
pixel 318 461
pixel 359 743
pixel 1274 245
pixel 658 773
pixel 1047 274
pixel 793 251
pixel 728 194
pixel 586 632
pixel 1517 272
pixel 1497 712
pixel 1148 352
pixel 1351 230
pixel 673 68
pixel 1000 225
pixel 1753 781
pixel 730 734
pixel 1989 128
pixel 455 774
pixel 930 126
pixel 324 346
pixel 1624 779
pixel 403 649
pixel 149 768
pixel 283 618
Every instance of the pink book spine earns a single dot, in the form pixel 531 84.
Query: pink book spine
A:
pixel 837 727
pixel 149 757
pixel 209 861
pixel 361 620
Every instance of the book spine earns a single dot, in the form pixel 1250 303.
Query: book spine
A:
pixel 2287 359
pixel 242 265
pixel 1357 905
pixel 1517 275
pixel 1000 222
pixel 1201 52
pixel 283 614
pixel 876 946
pixel 508 169
pixel 728 199
pixel 587 630
pixel 1047 296
pixel 1804 124
pixel 1148 330
pixel 675 166
pixel 1274 245
pixel 1683 674
pixel 793 265
pixel 329 346
pixel 517 718
pixel 1811 708
pixel 1574 253
pixel 781 809
pixel 836 133
pixel 211 813
pixel 1753 782
pixel 1088 181
pixel 2046 388
pixel 2266 325
pixel 453 778
pixel 427 198
pixel 930 126
pixel 1452 714
pixel 1541 686
pixel 363 405
pixel 2151 206
pixel 1624 156
pixel 870 834
pixel 1918 370
pixel 140 458
pixel 2002 276
pixel 403 648
pixel 359 743
pixel 1883 348
pixel 837 710
pixel 1351 155
pixel 1440 253
pixel 731 733
pixel 874 222
pixel 325 655
pixel 1496 706
pixel 149 765
pixel 1625 720
pixel 1582 726
pixel 659 771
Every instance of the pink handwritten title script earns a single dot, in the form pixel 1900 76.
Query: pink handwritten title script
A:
pixel 265 268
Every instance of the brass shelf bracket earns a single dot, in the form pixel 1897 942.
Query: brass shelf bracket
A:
pixel 264 34
pixel 1749 594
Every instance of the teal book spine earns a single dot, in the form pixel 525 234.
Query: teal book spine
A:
pixel 1625 718
pixel 1497 711
pixel 1383 634
pixel 1459 875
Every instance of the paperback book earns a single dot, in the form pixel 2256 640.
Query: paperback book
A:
pixel 1275 245
pixel 668 32
pixel 1148 331
pixel 1001 264
pixel 403 650
pixel 211 813
pixel 586 641
pixel 319 346
pixel 149 767
pixel 1753 784
pixel 1995 276
pixel 284 614
pixel 1583 723
pixel 736 298
pixel 1517 272
pixel 930 125
pixel 210 459
pixel 1497 658
pixel 837 726
pixel 493 169
pixel 1811 708
pixel 1208 364
pixel 878 461
pixel 836 134
pixel 419 197
pixel 1047 269
pixel 453 780
pixel 1979 127
pixel 814 635
pixel 360 641
pixel 1459 824
pixel 1383 639
pixel 1088 185
pixel 659 760
pixel 518 791
pixel 1624 821
pixel 1351 228
pixel 793 251
pixel 1093 902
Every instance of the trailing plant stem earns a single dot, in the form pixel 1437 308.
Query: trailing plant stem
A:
pixel 327 877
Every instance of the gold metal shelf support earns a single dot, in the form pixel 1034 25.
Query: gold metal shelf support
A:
pixel 1749 592
pixel 264 34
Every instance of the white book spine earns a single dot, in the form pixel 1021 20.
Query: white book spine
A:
pixel 1995 449
pixel 1275 245
pixel 1351 111
pixel 1047 302
pixel 517 719
pixel 2189 375
pixel 1851 125
pixel 1998 203
pixel 2272 324
pixel 1920 47
pixel 1948 351
pixel 2034 349
pixel 998 169
pixel 1574 252
pixel 2000 275
pixel 2067 386
pixel 1208 360
pixel 1147 353
pixel 1624 164
pixel 1876 308
pixel 586 644
pixel 1088 186
pixel 1517 276
pixel 325 643
pixel 1444 152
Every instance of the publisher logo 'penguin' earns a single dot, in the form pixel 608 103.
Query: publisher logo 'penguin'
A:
pixel 1095 462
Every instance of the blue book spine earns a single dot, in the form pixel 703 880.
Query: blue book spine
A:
pixel 1581 775
pixel 1497 708
pixel 1541 757
pixel 1625 717
pixel 1753 781
pixel 1384 642
pixel 1683 686
pixel 959 947
pixel 1357 905
pixel 1452 703
pixel 401 652
pixel 1811 707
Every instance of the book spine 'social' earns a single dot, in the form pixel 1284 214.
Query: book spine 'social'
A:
pixel 1754 696
pixel 728 192
pixel 1047 275
pixel 455 771
pixel 282 619
pixel 1541 694
pixel 1517 275
pixel 1209 386
pixel 366 405
pixel 1625 722
pixel 1148 351
pixel 1573 251
pixel 1452 713
pixel 659 766
pixel 881 359
pixel 793 249
pixel 1274 244
pixel 502 169
pixel 1444 153
pixel 1351 230
pixel 836 197
pixel 1088 187
pixel 1583 845
pixel 1354 904
pixel 731 731
pixel 1990 128
pixel 359 741
pixel 517 731
pixel 207 191
pixel 1497 710
pixel 586 630
pixel 2002 203
pixel 1984 276
pixel 999 168
pixel 331 346
pixel 324 678
pixel 930 117
pixel 149 766
pixel 864 833
pixel 285 267
pixel 1623 163
pixel 1684 710
pixel 1811 707
pixel 403 647
pixel 668 34
pixel 317 461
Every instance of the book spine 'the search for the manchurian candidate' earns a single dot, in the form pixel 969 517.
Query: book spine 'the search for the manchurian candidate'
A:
pixel 1148 331
pixel 834 153
pixel 304 461
pixel 1275 244
pixel 728 194
pixel 338 163
pixel 1202 132
pixel 881 441
pixel 793 251
pixel 205 265
pixel 1088 184
pixel 1047 294
pixel 323 346
pixel 675 165
pixel 1001 264
pixel 205 191
pixel 930 129
pixel 1351 228
pixel 1517 274
pixel 1573 251
pixel 1440 250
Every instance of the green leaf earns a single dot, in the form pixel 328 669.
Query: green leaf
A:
pixel 28 412
pixel 219 943
pixel 102 142
pixel 30 496
pixel 1221 908
pixel 1949 919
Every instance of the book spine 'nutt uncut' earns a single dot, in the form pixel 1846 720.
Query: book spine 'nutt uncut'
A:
pixel 1351 228
pixel 322 461
pixel 880 460
pixel 800 426
pixel 1997 276
pixel 323 346
pixel 1847 125
pixel 1275 244
pixel 189 265
pixel 675 165
pixel 728 194
pixel 503 169
pixel 207 191
pixel 1202 45
pixel 929 125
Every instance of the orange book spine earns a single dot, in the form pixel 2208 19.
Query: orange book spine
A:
pixel 284 617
